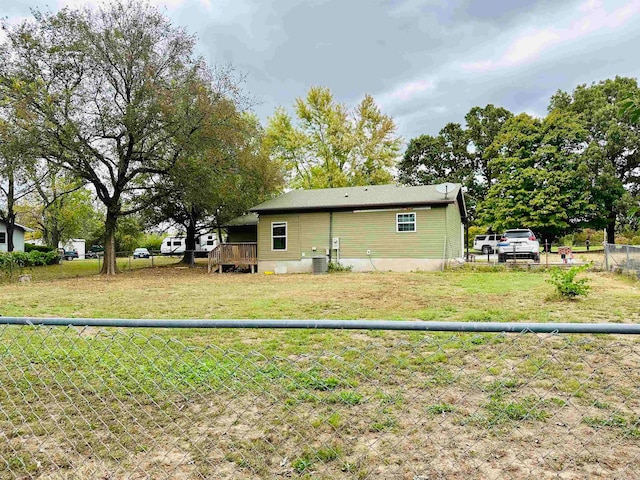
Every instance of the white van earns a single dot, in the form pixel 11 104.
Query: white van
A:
pixel 173 246
pixel 487 243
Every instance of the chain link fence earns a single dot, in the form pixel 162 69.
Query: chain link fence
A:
pixel 125 403
pixel 623 258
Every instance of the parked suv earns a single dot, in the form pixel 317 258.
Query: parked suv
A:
pixel 486 243
pixel 518 243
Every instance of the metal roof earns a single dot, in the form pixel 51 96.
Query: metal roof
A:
pixel 375 196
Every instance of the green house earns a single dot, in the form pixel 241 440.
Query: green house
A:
pixel 383 227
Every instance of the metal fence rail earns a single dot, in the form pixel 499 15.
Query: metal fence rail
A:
pixel 310 402
pixel 623 258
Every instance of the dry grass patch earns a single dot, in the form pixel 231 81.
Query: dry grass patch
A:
pixel 450 296
pixel 233 404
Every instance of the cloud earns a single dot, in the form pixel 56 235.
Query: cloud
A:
pixel 530 44
pixel 169 4
pixel 405 92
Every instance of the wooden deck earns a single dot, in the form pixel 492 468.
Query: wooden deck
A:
pixel 236 254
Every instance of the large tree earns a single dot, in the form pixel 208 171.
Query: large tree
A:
pixel 613 149
pixel 544 180
pixel 330 146
pixel 227 172
pixel 457 154
pixel 110 94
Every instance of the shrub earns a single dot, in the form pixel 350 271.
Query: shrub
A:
pixel 333 267
pixel 28 247
pixel 10 261
pixel 566 283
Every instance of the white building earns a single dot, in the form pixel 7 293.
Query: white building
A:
pixel 18 237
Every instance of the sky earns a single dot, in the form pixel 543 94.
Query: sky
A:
pixel 425 62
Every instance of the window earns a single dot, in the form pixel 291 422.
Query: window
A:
pixel 405 222
pixel 177 243
pixel 3 237
pixel 279 236
pixel 209 242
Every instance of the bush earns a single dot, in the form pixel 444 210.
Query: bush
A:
pixel 28 247
pixel 333 267
pixel 10 261
pixel 566 284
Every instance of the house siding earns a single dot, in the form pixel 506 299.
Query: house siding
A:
pixel 293 238
pixel 314 232
pixel 437 238
pixel 454 236
pixel 376 231
pixel 18 239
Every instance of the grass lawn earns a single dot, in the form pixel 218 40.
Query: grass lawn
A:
pixel 114 403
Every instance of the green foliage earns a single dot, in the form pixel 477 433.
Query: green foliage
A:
pixel 151 241
pixel 60 66
pixel 566 283
pixel 329 146
pixel 337 267
pixel 128 234
pixel 456 154
pixel 542 180
pixel 29 247
pixel 15 261
pixel 631 107
pixel 610 151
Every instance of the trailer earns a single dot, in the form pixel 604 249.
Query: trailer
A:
pixel 173 246
pixel 177 245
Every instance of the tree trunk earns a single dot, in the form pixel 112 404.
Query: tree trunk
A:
pixel 55 238
pixel 190 242
pixel 611 231
pixel 611 227
pixel 11 222
pixel 109 265
pixel 11 215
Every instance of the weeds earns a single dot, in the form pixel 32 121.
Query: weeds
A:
pixel 565 281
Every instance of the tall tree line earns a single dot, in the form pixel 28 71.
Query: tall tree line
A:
pixel 577 167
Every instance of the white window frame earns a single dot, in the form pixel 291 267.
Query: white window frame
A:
pixel 285 236
pixel 415 222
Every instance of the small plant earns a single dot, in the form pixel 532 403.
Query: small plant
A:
pixel 335 267
pixel 566 283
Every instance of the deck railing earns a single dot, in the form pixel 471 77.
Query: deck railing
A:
pixel 233 254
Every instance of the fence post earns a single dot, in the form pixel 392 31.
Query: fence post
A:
pixel 606 256
pixel 546 252
pixel 627 266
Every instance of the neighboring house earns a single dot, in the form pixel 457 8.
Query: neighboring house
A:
pixel 18 237
pixel 383 227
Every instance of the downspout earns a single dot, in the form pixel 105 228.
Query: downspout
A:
pixel 444 249
pixel 466 236
pixel 330 234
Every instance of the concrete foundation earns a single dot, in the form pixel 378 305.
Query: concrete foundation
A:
pixel 357 265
